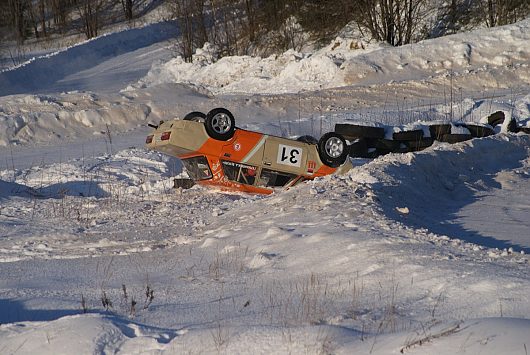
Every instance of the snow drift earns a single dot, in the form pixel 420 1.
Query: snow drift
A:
pixel 352 62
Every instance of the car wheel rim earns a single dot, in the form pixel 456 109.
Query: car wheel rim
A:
pixel 221 123
pixel 334 147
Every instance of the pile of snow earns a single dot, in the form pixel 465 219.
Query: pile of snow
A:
pixel 351 62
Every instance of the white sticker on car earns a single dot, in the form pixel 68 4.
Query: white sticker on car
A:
pixel 288 155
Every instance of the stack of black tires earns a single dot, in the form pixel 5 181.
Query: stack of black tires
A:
pixel 371 141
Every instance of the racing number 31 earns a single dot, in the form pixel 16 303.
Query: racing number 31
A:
pixel 288 155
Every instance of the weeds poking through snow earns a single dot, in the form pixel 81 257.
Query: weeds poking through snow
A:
pixel 149 296
pixel 429 337
pixel 439 300
pixel 105 301
pixel 132 312
pixel 84 306
pixel 220 337
pixel 125 296
pixel 128 303
pixel 356 297
pixel 324 343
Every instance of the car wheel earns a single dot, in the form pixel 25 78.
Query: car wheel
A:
pixel 333 149
pixel 195 116
pixel 220 124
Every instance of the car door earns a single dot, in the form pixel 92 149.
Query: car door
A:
pixel 285 155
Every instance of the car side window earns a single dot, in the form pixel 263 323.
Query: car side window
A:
pixel 230 170
pixel 197 168
pixel 244 174
pixel 273 178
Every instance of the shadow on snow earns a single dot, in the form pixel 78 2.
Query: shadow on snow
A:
pixel 59 190
pixel 437 185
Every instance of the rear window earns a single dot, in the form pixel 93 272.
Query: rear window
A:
pixel 272 178
pixel 197 168
pixel 242 173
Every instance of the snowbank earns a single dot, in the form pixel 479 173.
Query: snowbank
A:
pixel 351 62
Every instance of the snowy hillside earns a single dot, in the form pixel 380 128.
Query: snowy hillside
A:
pixel 416 253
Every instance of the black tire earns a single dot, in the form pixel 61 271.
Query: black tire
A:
pixel 220 124
pixel 439 130
pixel 479 131
pixel 455 138
pixel 359 149
pixel 421 144
pixel 307 139
pixel 413 135
pixel 357 131
pixel 195 116
pixel 496 118
pixel 333 149
pixel 387 145
pixel 512 126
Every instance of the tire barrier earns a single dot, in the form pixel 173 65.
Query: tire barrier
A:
pixel 371 142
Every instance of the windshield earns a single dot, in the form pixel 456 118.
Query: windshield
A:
pixel 197 168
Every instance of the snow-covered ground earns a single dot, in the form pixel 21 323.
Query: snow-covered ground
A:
pixel 420 253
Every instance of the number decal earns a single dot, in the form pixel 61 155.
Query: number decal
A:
pixel 288 155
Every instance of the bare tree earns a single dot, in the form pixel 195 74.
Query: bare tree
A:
pixel 60 13
pixel 191 17
pixel 33 18
pixel 452 17
pixel 17 10
pixel 90 13
pixel 393 21
pixel 228 26
pixel 322 20
pixel 250 14
pixel 42 15
pixel 503 12
pixel 127 6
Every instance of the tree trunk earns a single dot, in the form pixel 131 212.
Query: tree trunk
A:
pixel 491 14
pixel 42 11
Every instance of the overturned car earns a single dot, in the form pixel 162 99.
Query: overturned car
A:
pixel 215 152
